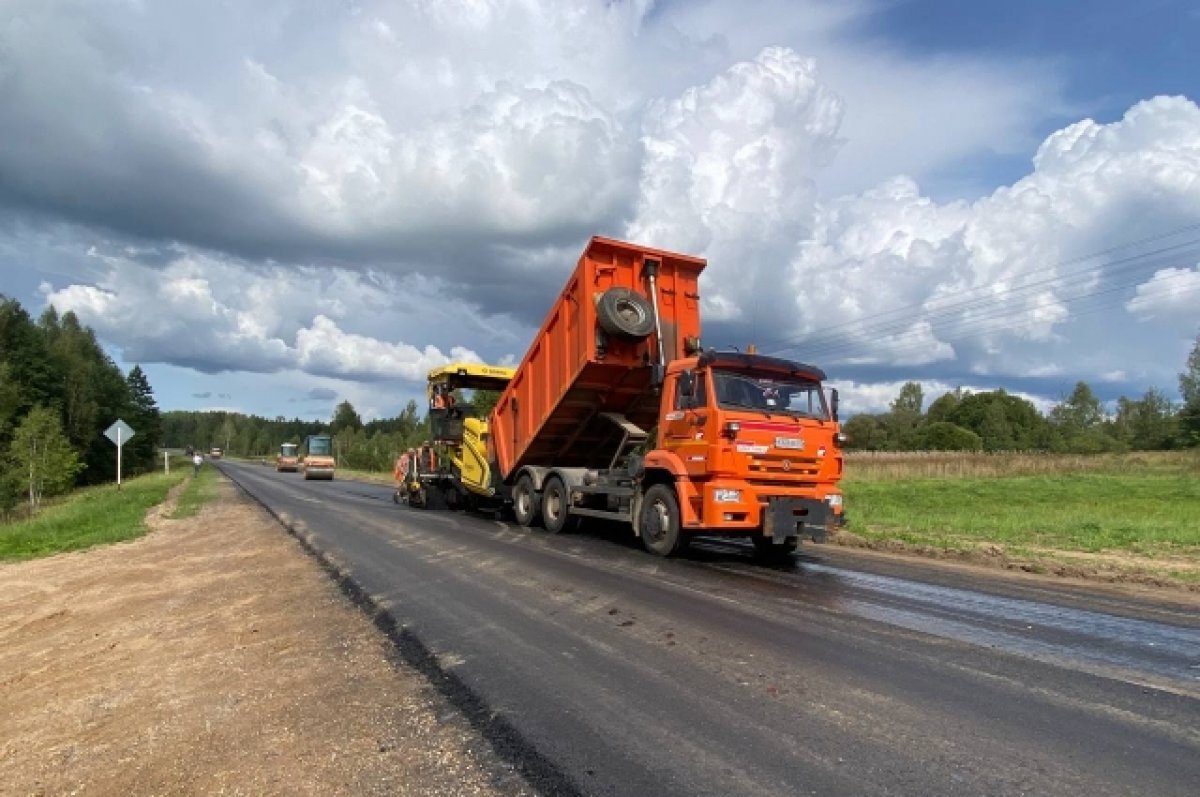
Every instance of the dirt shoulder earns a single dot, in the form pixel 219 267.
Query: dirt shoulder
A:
pixel 1170 578
pixel 213 656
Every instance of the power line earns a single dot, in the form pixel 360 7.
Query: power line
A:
pixel 998 322
pixel 993 303
pixel 984 295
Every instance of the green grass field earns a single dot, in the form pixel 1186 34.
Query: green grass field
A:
pixel 87 517
pixel 1140 505
pixel 198 492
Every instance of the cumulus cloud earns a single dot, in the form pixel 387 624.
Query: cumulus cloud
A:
pixel 358 191
pixel 1172 293
pixel 892 277
pixel 213 316
pixel 327 350
pixel 728 165
pixel 1007 270
pixel 347 162
pixel 352 134
pixel 322 394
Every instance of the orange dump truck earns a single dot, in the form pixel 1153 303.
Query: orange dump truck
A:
pixel 743 444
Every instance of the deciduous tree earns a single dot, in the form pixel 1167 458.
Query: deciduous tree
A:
pixel 42 456
pixel 1189 387
pixel 1148 423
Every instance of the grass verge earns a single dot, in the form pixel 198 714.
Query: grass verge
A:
pixel 87 517
pixel 1136 516
pixel 199 491
pixel 372 476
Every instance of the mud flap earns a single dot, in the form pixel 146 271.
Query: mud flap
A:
pixel 795 517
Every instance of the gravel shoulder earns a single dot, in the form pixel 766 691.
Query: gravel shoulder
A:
pixel 214 656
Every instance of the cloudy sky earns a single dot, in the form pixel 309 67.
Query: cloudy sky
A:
pixel 279 204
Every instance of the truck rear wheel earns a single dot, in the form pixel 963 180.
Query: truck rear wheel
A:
pixel 526 502
pixel 556 505
pixel 660 520
pixel 624 313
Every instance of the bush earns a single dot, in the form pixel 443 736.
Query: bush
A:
pixel 946 436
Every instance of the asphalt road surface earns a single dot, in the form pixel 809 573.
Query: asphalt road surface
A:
pixel 596 668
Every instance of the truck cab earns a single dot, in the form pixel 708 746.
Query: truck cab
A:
pixel 752 444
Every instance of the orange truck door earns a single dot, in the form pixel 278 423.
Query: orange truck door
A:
pixel 684 427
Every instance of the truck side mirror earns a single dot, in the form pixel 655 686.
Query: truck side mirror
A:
pixel 687 388
pixel 833 403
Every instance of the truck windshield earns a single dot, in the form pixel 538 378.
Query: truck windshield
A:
pixel 319 447
pixel 769 393
pixel 288 449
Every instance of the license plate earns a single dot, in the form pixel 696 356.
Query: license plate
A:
pixel 793 443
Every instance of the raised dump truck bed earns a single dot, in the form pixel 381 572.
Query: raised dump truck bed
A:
pixel 596 355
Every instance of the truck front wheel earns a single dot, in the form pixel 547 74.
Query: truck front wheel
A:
pixel 526 502
pixel 660 520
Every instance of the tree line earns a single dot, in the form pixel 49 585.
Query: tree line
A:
pixel 59 391
pixel 371 445
pixel 999 421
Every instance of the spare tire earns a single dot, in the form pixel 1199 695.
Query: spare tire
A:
pixel 624 313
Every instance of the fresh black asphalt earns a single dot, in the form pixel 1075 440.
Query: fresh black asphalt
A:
pixel 595 668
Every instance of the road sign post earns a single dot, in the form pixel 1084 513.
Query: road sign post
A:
pixel 119 433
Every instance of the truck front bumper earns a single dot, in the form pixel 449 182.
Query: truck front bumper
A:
pixel 777 514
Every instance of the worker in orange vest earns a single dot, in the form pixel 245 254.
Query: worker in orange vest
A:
pixel 443 398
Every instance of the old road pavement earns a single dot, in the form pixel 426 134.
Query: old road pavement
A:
pixel 595 668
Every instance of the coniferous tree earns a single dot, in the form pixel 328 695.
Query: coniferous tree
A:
pixel 23 348
pixel 345 417
pixel 145 420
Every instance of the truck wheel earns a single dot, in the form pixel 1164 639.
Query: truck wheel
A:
pixel 624 313
pixel 660 520
pixel 526 502
pixel 556 506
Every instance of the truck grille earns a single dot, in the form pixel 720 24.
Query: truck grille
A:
pixel 785 468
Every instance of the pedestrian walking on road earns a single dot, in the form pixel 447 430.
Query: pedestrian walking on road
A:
pixel 197 461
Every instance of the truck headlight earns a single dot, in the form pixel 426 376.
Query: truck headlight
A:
pixel 834 500
pixel 724 496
